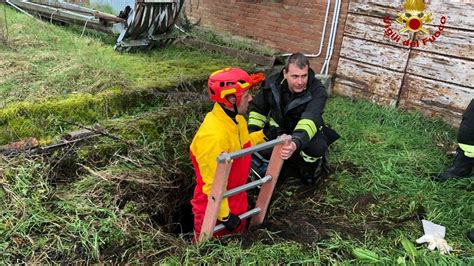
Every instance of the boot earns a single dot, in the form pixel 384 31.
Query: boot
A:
pixel 462 167
pixel 288 170
pixel 326 166
pixel 311 172
pixel 470 235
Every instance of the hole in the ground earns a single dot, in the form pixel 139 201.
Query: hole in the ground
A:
pixel 184 219
pixel 152 184
pixel 168 212
pixel 63 167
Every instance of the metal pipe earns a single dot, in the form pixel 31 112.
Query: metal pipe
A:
pixel 243 216
pixel 332 38
pixel 321 44
pixel 247 186
pixel 228 156
pixel 19 9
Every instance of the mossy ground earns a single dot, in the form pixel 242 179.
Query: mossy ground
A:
pixel 50 74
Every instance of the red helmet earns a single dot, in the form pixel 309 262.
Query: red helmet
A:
pixel 230 81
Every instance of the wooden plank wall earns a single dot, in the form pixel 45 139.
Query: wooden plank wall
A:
pixel 436 79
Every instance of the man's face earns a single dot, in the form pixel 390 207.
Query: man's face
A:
pixel 296 77
pixel 243 106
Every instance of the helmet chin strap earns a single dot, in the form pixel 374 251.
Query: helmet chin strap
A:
pixel 235 109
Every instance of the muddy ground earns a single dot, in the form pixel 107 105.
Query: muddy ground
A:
pixel 309 219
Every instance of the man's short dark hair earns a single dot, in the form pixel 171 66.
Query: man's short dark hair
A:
pixel 299 59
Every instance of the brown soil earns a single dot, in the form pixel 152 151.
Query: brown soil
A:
pixel 354 170
pixel 299 213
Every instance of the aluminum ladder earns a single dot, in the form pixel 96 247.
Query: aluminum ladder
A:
pixel 267 183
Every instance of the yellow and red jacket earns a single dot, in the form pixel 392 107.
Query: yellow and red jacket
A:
pixel 217 134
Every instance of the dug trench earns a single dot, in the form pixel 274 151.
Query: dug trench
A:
pixel 148 169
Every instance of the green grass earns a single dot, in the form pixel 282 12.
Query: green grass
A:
pixel 42 61
pixel 50 74
pixel 79 220
pixel 397 152
pixel 112 201
pixel 104 8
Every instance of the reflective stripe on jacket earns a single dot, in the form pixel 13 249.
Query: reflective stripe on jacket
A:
pixel 301 116
pixel 466 131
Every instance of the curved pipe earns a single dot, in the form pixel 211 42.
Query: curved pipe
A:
pixel 322 36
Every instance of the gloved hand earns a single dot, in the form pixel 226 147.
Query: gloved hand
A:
pixel 435 241
pixel 270 132
pixel 231 222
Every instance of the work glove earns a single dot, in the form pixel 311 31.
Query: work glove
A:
pixel 231 222
pixel 434 236
pixel 270 132
pixel 435 241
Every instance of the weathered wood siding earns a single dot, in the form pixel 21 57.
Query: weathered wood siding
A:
pixel 436 78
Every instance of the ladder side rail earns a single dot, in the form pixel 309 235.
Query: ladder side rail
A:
pixel 266 192
pixel 218 191
pixel 215 199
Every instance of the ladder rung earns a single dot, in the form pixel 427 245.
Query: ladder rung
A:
pixel 243 216
pixel 247 186
pixel 227 156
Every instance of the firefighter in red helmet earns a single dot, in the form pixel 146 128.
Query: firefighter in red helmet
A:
pixel 224 129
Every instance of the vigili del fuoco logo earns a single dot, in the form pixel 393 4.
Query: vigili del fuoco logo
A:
pixel 413 19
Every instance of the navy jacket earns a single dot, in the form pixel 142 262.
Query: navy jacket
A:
pixel 297 114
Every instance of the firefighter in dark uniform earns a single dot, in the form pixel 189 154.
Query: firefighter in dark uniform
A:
pixel 464 161
pixel 292 102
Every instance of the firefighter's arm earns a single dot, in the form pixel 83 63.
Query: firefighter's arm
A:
pixel 311 119
pixel 208 149
pixel 259 109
